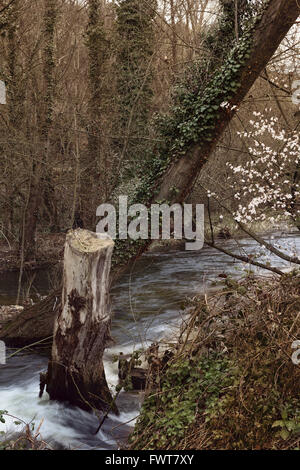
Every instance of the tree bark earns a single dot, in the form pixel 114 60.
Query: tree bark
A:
pixel 94 160
pixel 34 325
pixel 45 118
pixel 81 330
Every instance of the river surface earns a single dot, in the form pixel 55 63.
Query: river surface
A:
pixel 147 307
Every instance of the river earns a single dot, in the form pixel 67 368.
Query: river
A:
pixel 146 306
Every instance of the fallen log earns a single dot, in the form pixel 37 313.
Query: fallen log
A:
pixel 82 325
pixel 34 324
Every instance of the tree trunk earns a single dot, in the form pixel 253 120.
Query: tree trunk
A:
pixel 45 122
pixel 81 330
pixel 93 162
pixel 28 231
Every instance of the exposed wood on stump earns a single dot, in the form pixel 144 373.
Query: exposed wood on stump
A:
pixel 81 330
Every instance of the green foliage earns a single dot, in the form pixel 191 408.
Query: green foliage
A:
pixel 290 421
pixel 135 49
pixel 188 387
pixel 2 413
pixel 50 17
pixel 98 48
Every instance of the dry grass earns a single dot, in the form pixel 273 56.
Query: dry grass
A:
pixel 27 439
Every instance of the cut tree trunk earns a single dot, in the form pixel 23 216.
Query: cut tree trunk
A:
pixel 82 327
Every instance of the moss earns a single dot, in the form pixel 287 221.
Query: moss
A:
pixel 134 71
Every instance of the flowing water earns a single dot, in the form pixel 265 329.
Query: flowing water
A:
pixel 146 305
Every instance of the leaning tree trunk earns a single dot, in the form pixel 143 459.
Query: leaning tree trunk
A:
pixel 81 330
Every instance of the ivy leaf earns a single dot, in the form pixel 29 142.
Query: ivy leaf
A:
pixel 284 434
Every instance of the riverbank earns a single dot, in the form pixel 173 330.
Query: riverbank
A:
pixel 49 251
pixel 9 312
pixel 230 383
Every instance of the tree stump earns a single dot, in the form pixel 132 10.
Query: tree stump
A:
pixel 82 326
